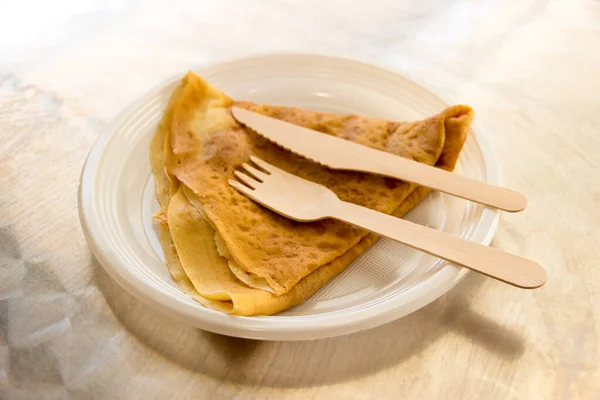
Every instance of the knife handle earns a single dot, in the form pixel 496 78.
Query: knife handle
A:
pixel 495 263
pixel 444 181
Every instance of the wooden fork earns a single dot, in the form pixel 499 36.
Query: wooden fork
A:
pixel 304 201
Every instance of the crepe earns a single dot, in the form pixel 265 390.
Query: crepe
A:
pixel 236 256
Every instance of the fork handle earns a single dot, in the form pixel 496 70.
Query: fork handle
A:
pixel 495 263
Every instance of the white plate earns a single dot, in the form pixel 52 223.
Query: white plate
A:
pixel 116 200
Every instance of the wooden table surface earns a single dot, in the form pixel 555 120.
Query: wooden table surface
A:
pixel 530 69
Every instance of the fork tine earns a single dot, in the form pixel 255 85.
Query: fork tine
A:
pixel 240 187
pixel 271 169
pixel 259 175
pixel 249 181
pixel 263 164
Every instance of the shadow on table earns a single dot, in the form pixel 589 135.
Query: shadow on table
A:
pixel 310 363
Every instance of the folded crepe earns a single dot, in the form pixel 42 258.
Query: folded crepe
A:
pixel 232 254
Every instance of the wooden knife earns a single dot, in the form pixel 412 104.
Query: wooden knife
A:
pixel 340 154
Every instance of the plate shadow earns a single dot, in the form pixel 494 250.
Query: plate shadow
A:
pixel 310 363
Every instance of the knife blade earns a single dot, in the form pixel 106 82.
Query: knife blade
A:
pixel 341 154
